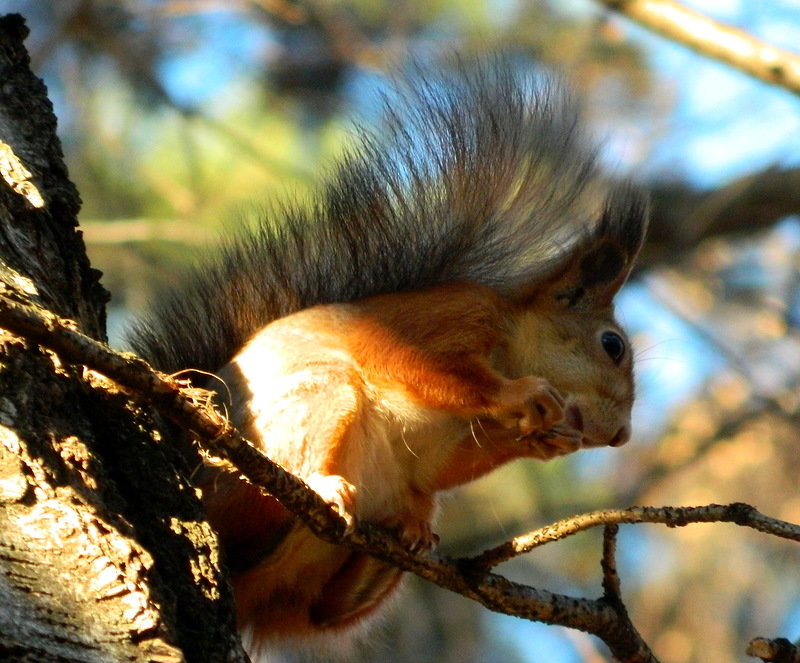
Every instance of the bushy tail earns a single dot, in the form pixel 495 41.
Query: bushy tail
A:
pixel 479 174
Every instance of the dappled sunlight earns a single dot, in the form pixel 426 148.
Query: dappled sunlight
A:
pixel 183 122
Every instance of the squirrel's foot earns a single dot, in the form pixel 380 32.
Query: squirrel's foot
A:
pixel 530 404
pixel 339 493
pixel 415 534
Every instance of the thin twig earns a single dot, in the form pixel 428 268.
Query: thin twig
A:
pixel 188 409
pixel 714 39
pixel 606 617
pixel 778 650
pixel 741 514
pixel 611 583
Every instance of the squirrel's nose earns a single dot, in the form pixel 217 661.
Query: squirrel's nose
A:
pixel 621 437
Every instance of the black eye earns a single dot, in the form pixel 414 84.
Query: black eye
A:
pixel 614 345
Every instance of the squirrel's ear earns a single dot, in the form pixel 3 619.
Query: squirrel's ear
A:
pixel 600 264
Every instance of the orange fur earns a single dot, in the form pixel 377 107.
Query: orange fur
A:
pixel 482 208
pixel 381 403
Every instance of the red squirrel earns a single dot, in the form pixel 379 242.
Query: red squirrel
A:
pixel 444 306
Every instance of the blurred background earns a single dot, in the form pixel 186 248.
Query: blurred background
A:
pixel 180 118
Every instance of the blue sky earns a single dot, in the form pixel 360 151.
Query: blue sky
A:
pixel 726 124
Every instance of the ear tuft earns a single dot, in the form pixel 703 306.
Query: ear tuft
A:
pixel 618 237
pixel 595 267
pixel 624 219
pixel 602 264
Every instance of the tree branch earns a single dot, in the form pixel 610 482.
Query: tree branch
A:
pixel 740 514
pixel 190 408
pixel 611 583
pixel 779 650
pixel 715 40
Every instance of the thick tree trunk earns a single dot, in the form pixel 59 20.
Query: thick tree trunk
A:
pixel 104 551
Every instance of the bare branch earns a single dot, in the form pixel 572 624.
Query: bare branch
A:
pixel 124 231
pixel 191 409
pixel 740 514
pixel 611 583
pixel 186 407
pixel 779 650
pixel 605 617
pixel 715 40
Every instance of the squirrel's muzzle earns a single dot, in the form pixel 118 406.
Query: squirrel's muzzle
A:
pixel 596 432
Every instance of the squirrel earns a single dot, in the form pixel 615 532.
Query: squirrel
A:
pixel 445 305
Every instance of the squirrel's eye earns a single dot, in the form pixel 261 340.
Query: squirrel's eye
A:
pixel 614 345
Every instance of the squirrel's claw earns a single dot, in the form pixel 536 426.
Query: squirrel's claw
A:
pixel 531 404
pixel 560 440
pixel 564 438
pixel 339 493
pixel 414 534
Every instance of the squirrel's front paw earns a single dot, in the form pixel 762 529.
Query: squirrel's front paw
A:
pixel 559 440
pixel 339 493
pixel 530 403
pixel 413 533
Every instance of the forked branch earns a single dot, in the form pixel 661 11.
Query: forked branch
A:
pixel 605 617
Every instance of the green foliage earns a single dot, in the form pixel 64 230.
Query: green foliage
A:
pixel 161 176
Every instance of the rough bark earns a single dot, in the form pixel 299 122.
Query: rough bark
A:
pixel 104 552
